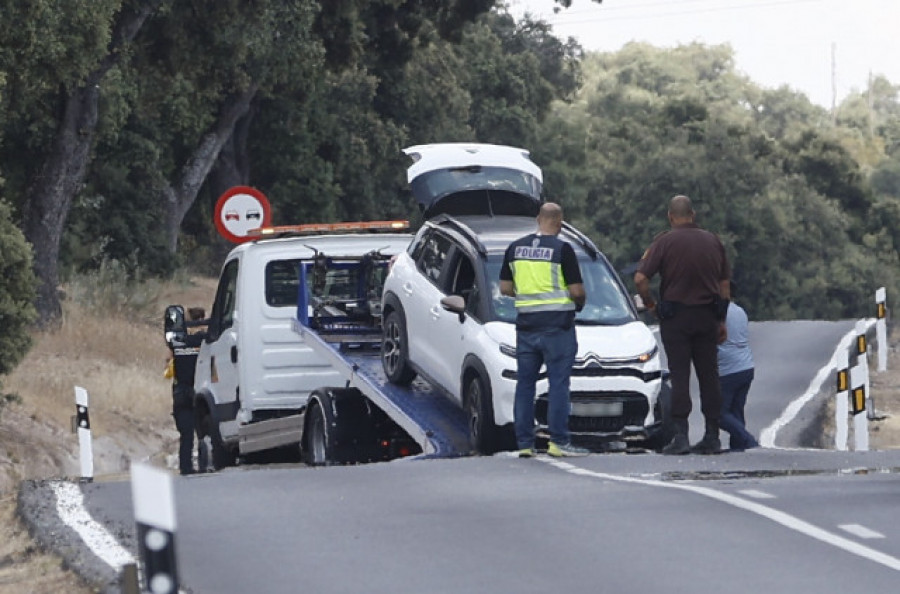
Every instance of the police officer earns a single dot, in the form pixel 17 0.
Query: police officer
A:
pixel 694 293
pixel 180 369
pixel 541 272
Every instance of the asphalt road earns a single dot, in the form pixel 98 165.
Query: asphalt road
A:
pixel 770 519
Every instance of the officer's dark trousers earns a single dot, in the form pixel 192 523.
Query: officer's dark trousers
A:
pixel 691 337
pixel 184 422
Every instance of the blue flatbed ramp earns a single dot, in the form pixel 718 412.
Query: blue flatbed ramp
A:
pixel 431 419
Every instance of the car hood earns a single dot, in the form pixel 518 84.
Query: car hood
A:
pixel 606 342
pixel 474 179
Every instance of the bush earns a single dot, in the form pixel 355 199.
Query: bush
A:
pixel 17 292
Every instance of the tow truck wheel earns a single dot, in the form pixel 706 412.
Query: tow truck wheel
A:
pixel 319 448
pixel 395 351
pixel 222 457
pixel 480 416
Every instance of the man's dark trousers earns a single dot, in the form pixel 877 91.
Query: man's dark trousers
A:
pixel 183 411
pixel 691 336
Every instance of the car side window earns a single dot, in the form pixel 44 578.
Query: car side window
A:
pixel 433 255
pixel 460 279
pixel 222 316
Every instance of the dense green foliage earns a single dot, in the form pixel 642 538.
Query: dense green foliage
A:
pixel 16 293
pixel 807 202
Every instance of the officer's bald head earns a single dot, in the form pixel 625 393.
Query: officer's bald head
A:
pixel 550 218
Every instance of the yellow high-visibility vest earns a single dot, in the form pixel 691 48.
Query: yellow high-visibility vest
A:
pixel 540 285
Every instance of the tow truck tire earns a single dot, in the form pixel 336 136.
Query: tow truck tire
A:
pixel 319 446
pixel 395 350
pixel 222 457
pixel 483 434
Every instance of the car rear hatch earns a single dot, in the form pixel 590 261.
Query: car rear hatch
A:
pixel 474 179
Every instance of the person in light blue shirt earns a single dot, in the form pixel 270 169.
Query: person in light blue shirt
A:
pixel 735 377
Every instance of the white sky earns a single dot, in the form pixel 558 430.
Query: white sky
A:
pixel 776 42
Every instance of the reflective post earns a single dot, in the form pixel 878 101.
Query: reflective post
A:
pixel 83 427
pixel 842 401
pixel 154 513
pixel 881 327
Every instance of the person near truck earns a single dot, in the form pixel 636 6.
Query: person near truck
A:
pixel 541 272
pixel 694 294
pixel 735 376
pixel 180 369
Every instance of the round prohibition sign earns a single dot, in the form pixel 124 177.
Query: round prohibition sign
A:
pixel 239 210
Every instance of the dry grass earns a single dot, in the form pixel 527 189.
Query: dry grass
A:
pixel 117 354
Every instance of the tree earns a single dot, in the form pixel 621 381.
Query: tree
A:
pixel 57 57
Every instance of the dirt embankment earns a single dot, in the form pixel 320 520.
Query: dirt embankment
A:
pixel 119 359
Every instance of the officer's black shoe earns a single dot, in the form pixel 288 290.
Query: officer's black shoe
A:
pixel 706 446
pixel 678 446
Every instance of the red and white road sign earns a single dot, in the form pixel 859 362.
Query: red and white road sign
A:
pixel 239 210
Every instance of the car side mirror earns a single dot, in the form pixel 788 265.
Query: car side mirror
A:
pixel 455 304
pixel 174 324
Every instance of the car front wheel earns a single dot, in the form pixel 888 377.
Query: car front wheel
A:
pixel 395 350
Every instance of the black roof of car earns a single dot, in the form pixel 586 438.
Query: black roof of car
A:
pixel 496 233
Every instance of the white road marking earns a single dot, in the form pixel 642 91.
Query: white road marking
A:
pixel 70 507
pixel 767 437
pixel 860 531
pixel 756 494
pixel 777 516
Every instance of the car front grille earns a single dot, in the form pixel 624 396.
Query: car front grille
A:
pixel 634 412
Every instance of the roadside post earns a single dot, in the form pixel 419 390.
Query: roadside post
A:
pixel 862 365
pixel 154 513
pixel 881 327
pixel 83 427
pixel 842 401
pixel 858 407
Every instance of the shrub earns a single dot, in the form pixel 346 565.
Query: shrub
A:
pixel 17 292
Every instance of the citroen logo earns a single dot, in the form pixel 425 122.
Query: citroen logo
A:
pixel 590 360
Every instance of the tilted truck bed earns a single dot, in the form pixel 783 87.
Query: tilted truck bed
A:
pixel 430 419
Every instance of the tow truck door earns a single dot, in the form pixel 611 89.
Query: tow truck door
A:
pixel 217 364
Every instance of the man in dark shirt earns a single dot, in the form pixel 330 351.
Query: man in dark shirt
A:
pixel 541 272
pixel 694 292
pixel 184 359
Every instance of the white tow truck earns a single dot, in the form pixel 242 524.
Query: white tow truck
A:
pixel 291 353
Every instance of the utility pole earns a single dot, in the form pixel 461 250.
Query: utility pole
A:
pixel 871 104
pixel 833 83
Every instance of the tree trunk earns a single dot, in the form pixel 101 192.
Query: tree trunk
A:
pixel 232 168
pixel 50 196
pixel 61 175
pixel 180 196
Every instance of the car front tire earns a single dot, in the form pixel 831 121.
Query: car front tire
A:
pixel 395 350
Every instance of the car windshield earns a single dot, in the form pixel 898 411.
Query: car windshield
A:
pixel 607 304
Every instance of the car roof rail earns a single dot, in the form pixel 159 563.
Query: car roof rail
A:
pixel 583 240
pixel 456 224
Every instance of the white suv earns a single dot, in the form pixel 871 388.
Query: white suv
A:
pixel 445 319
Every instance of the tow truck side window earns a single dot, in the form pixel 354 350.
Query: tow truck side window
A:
pixel 223 307
pixel 282 281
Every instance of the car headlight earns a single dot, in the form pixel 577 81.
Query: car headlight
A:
pixel 508 350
